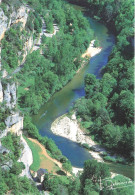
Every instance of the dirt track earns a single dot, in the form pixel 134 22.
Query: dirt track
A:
pixel 44 152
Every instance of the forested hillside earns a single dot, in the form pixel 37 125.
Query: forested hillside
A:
pixel 44 74
pixel 107 109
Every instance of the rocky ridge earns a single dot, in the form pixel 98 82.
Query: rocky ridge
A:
pixel 8 89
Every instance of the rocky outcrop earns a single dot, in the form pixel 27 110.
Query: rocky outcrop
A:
pixel 4 133
pixel 70 129
pixel 14 122
pixel 3 23
pixel 3 149
pixel 10 96
pixel 27 47
pixel 19 16
pixel 10 120
pixel 26 158
pixel 1 92
pixel 17 127
pixel 16 16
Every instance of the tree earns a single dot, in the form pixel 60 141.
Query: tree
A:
pixel 111 135
pixel 17 168
pixel 107 84
pixel 3 185
pixel 122 185
pixel 67 166
pixel 91 85
pixel 127 142
pixel 46 183
pixel 89 188
pixel 93 170
pixel 125 107
pixel 74 186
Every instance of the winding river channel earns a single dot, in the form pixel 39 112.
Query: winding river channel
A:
pixel 62 101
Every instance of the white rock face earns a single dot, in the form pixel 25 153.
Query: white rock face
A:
pixel 69 128
pixel 3 23
pixel 4 133
pixel 26 158
pixel 65 127
pixel 16 128
pixel 4 73
pixel 1 92
pixel 27 47
pixel 13 94
pixel 10 95
pixel 16 16
pixel 7 96
pixel 19 16
pixel 10 120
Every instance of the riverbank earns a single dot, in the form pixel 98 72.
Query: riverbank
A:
pixel 70 129
pixel 90 52
pixel 47 162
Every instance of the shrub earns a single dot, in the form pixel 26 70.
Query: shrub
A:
pixel 86 146
pixel 110 159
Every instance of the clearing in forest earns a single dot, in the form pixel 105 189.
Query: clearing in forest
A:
pixel 40 157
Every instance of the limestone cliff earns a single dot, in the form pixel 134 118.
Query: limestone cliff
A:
pixel 19 16
pixel 16 16
pixel 3 24
pixel 1 92
pixel 13 119
pixel 10 95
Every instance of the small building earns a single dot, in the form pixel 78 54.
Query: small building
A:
pixel 41 173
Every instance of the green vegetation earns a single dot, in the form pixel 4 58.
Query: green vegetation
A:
pixel 3 115
pixel 35 153
pixel 40 160
pixel 88 183
pixel 95 108
pixel 31 130
pixel 11 168
pixel 12 45
pixel 107 109
pixel 93 171
pixel 55 184
pixel 86 146
pixel 14 39
pixel 67 166
pixel 122 185
pixel 12 142
pixel 43 75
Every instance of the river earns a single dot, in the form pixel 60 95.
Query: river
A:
pixel 62 101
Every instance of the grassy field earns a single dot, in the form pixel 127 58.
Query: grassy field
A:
pixel 35 153
pixel 40 160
